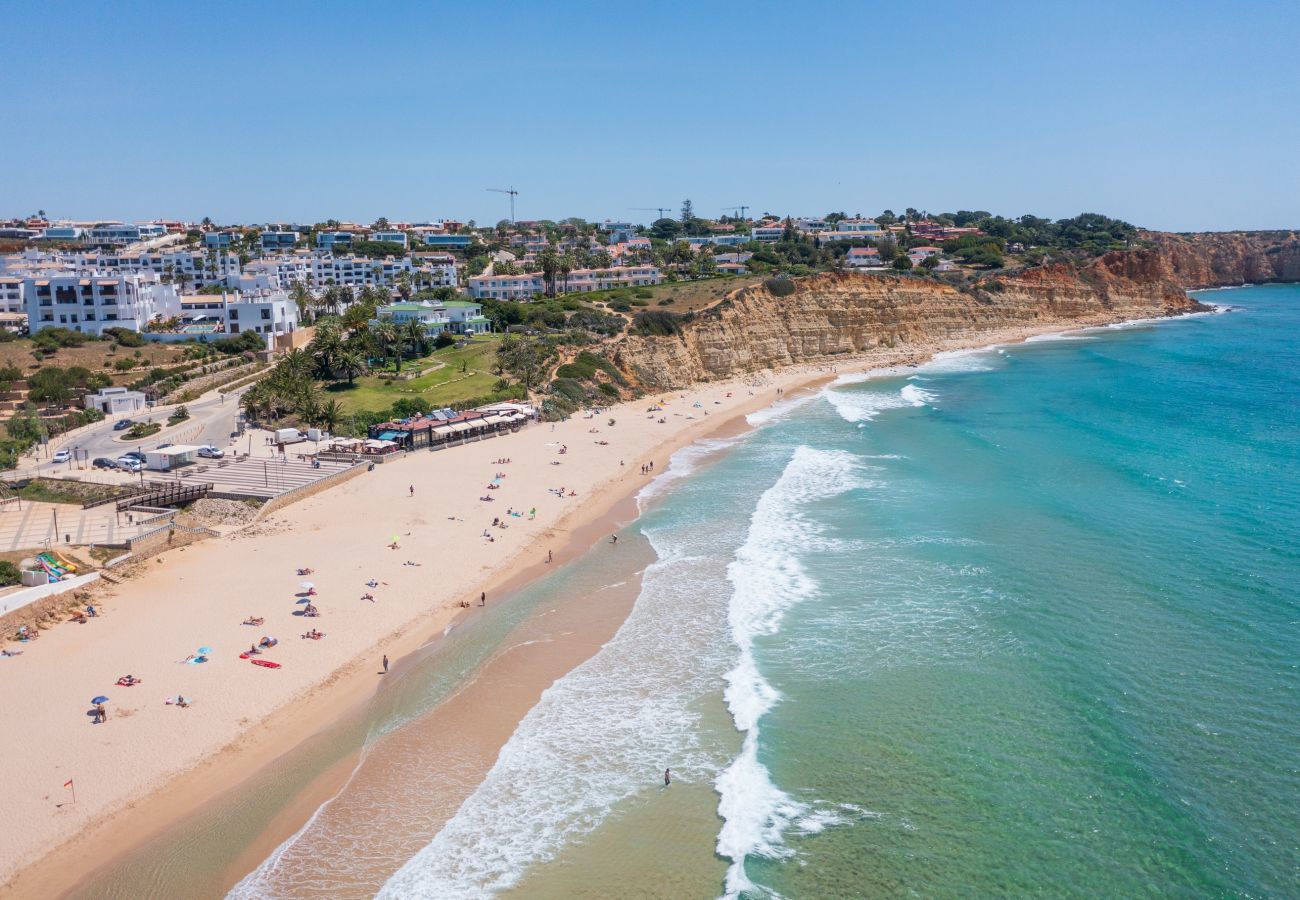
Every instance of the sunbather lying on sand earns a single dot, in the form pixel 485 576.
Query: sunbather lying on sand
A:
pixel 314 635
pixel 254 620
pixel 129 681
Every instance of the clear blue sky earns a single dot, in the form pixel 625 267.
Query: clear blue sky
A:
pixel 1179 115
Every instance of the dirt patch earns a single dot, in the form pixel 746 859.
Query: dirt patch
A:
pixel 213 513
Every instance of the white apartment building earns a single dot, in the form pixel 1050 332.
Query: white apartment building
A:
pixel 91 302
pixel 389 237
pixel 123 232
pixel 281 271
pixel 268 313
pixel 506 287
pixel 265 311
pixel 11 295
pixel 767 234
pixel 188 268
pixel 278 240
pixel 437 269
pixel 580 281
pixel 357 270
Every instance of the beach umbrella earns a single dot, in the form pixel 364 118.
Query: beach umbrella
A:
pixel 306 585
pixel 98 700
pixel 205 651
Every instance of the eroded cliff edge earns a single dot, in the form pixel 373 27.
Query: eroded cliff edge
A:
pixel 1227 258
pixel 835 316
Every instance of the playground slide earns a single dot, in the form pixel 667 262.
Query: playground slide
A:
pixel 51 567
pixel 64 563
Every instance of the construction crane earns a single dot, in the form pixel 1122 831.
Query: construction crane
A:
pixel 513 194
pixel 659 209
pixel 734 208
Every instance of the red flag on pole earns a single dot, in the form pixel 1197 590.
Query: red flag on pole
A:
pixel 68 783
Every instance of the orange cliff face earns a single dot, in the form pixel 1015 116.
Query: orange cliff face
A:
pixel 835 316
pixel 1224 259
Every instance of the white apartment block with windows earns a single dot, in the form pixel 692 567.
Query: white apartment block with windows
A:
pixel 506 287
pixel 282 271
pixel 266 312
pixel 123 232
pixel 389 237
pixel 188 268
pixel 579 281
pixel 439 270
pixel 11 295
pixel 356 271
pixel 278 240
pixel 91 302
pixel 767 234
pixel 585 280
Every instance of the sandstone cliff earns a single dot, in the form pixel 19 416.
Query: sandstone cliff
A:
pixel 833 316
pixel 1222 259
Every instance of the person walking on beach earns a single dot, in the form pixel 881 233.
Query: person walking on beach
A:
pixel 549 556
pixel 482 598
pixel 412 490
pixel 385 663
pixel 668 778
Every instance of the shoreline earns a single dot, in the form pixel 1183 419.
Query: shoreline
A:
pixel 349 686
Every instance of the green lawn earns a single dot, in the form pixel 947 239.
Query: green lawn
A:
pixel 445 386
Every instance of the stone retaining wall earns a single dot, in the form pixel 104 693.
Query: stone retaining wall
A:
pixel 307 490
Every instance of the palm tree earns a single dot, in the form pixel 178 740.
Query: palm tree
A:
pixel 404 288
pixel 302 296
pixel 329 415
pixel 350 364
pixel 550 264
pixel 385 333
pixel 297 364
pixel 356 316
pixel 566 265
pixel 326 346
pixel 416 336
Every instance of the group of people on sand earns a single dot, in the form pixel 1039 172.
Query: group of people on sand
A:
pixel 314 635
pixel 648 468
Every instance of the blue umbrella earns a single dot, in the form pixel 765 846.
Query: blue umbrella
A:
pixel 98 700
pixel 205 651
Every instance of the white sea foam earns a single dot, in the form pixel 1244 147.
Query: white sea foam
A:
pixel 1055 336
pixel 975 359
pixel 596 738
pixel 779 409
pixel 680 465
pixel 863 406
pixel 917 396
pixel 768 578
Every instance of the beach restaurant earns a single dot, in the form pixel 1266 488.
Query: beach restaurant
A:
pixel 445 428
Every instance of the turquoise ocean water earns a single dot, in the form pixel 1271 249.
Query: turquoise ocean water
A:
pixel 1019 622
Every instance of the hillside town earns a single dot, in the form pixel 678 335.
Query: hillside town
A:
pixel 181 281
pixel 344 327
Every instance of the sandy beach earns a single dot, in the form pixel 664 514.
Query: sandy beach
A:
pixel 153 762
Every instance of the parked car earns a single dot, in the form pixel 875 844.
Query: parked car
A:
pixel 123 424
pixel 129 464
pixel 62 456
pixel 163 446
pixel 136 455
pixel 103 462
pixel 210 452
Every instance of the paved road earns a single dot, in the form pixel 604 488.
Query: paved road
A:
pixel 212 419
